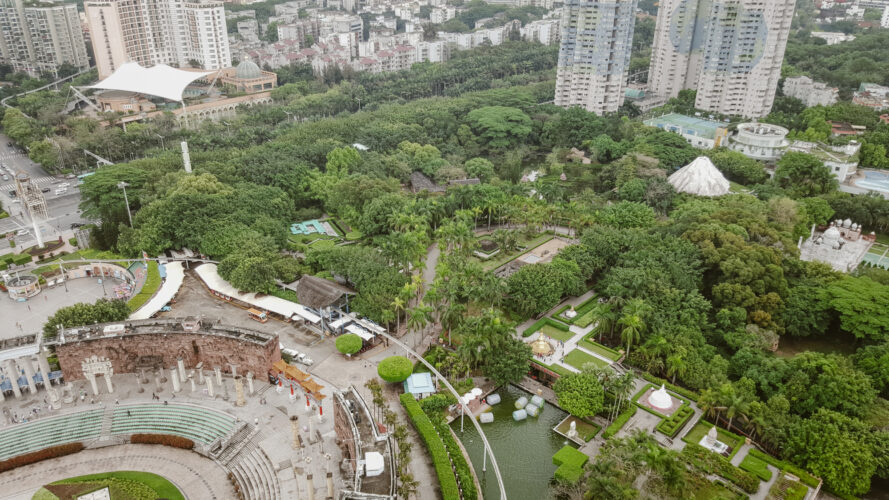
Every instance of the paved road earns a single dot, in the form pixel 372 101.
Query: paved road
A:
pixel 63 208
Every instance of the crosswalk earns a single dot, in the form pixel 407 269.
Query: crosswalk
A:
pixel 40 181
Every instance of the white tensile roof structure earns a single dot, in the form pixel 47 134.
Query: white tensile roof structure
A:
pixel 159 80
pixel 700 177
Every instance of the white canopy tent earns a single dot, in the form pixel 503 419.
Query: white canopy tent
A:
pixel 159 80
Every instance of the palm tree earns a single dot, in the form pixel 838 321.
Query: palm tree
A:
pixel 398 305
pixel 631 331
pixel 737 404
pixel 607 317
pixel 418 318
pixel 676 365
pixel 452 316
pixel 621 387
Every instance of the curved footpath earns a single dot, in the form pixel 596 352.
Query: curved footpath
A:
pixel 195 476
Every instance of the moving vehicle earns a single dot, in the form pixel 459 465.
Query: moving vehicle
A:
pixel 61 190
pixel 257 315
pixel 45 190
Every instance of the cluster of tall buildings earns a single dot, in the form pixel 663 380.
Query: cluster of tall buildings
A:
pixel 39 36
pixel 729 51
pixel 149 32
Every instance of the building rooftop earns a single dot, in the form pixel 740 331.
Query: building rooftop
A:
pixel 692 125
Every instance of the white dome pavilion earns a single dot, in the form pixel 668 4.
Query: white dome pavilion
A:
pixel 660 399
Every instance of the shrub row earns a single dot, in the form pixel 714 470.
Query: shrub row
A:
pixel 686 393
pixel 619 422
pixel 711 463
pixel 446 478
pixel 164 439
pixel 582 309
pixel 804 476
pixel 39 455
pixel 544 321
pixel 756 466
pixel 570 462
pixel 464 473
pixel 22 258
pixel 671 426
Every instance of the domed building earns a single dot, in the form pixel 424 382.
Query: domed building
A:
pixel 248 77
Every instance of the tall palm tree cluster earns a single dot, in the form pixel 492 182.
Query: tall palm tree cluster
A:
pixel 407 485
pixel 622 462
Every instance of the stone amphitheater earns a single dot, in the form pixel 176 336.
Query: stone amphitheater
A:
pixel 262 441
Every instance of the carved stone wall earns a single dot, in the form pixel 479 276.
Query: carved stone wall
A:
pixel 131 352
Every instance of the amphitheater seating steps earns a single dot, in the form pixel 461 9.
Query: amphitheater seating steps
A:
pixel 52 431
pixel 194 422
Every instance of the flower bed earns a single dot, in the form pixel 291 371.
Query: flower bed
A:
pixel 619 422
pixel 437 450
pixel 671 426
pixel 39 455
pixel 164 439
pixel 756 466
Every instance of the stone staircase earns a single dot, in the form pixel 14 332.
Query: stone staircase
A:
pixel 254 472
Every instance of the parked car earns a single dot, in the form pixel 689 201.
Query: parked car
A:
pixel 12 193
pixel 61 190
pixel 45 190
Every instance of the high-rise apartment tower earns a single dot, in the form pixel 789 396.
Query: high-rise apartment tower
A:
pixel 730 51
pixel 149 32
pixel 41 36
pixel 594 56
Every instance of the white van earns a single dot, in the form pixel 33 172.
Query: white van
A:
pixel 61 190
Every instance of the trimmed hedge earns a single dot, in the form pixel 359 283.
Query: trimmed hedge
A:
pixel 619 422
pixel 686 393
pixel 395 369
pixel 22 258
pixel 804 476
pixel 671 426
pixel 349 343
pixel 570 461
pixel 437 451
pixel 545 321
pixel 756 466
pixel 164 439
pixel 465 477
pixel 582 309
pixel 711 463
pixel 40 455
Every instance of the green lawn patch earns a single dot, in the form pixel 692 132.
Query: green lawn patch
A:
pixel 599 349
pixel 671 426
pixel 756 467
pixel 785 489
pixel 578 358
pixel 130 484
pixel 582 309
pixel 804 476
pixel 539 324
pixel 553 368
pixel 585 430
pixel 700 430
pixel 503 258
pixel 553 332
pixel 152 283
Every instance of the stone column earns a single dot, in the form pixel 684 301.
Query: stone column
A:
pixel 28 365
pixel 13 376
pixel 218 375
pixel 108 382
pixel 310 487
pixel 43 364
pixel 181 364
pixel 210 387
pixel 92 378
pixel 239 391
pixel 201 376
pixel 294 431
pixel 250 383
pixel 2 397
pixel 193 386
pixel 234 370
pixel 174 376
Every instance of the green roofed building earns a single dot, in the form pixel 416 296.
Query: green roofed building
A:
pixel 699 132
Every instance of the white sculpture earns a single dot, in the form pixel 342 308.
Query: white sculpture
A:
pixel 660 399
pixel 572 430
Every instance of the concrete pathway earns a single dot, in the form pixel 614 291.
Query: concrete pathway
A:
pixel 194 475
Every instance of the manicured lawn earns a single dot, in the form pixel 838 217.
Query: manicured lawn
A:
pixel 599 349
pixel 585 430
pixel 553 332
pixel 757 467
pixel 502 258
pixel 162 487
pixel 702 428
pixel 578 358
pixel 152 283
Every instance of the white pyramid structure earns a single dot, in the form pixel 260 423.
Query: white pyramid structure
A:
pixel 700 177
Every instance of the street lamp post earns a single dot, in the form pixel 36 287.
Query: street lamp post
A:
pixel 123 185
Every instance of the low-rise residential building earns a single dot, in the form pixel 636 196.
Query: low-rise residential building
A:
pixel 842 160
pixel 545 31
pixel 884 19
pixel 812 93
pixel 872 96
pixel 833 37
pixel 699 132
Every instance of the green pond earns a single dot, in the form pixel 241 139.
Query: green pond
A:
pixel 524 450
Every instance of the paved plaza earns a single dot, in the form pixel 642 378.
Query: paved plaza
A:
pixel 17 318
